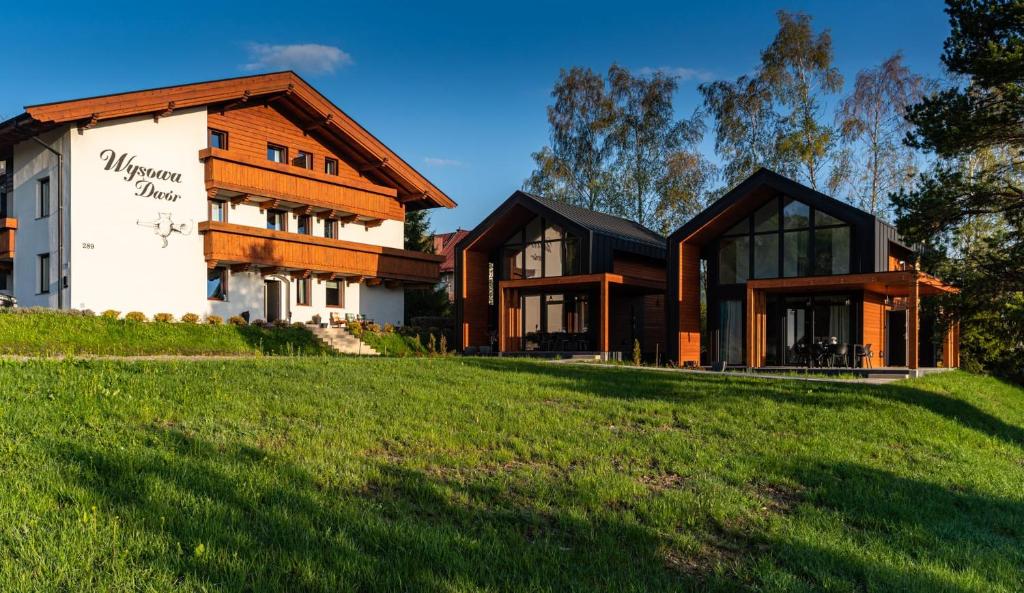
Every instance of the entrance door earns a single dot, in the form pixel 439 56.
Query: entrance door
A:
pixel 272 298
pixel 896 337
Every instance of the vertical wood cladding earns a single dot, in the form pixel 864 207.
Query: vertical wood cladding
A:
pixel 474 299
pixel 251 128
pixel 688 291
pixel 874 325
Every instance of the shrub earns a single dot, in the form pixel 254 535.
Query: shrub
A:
pixel 373 328
pixel 190 318
pixel 636 352
pixel 355 327
pixel 111 314
pixel 299 325
pixel 389 328
pixel 214 319
pixel 281 323
pixel 163 317
pixel 432 344
pixel 135 316
pixel 258 323
pixel 237 320
pixel 444 345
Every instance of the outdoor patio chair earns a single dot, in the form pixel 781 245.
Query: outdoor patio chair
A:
pixel 863 354
pixel 336 320
pixel 840 355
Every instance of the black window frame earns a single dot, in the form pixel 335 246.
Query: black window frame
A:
pixel 44 277
pixel 521 246
pixel 43 198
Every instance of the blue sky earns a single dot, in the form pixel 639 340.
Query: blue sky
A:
pixel 458 90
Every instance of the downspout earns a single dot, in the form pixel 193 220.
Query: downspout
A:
pixel 62 280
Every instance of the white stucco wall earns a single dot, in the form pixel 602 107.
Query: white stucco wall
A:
pixel 37 235
pixel 117 261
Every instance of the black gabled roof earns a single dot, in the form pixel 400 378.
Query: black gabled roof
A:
pixel 599 222
pixel 784 185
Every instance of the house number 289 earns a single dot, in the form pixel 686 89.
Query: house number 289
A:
pixel 88 246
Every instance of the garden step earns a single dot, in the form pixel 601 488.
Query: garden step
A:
pixel 341 340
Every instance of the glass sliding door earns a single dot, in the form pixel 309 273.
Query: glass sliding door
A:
pixel 556 322
pixel 730 334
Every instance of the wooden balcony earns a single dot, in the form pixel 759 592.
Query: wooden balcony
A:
pixel 237 177
pixel 8 226
pixel 277 251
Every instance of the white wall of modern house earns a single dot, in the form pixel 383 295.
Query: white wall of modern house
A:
pixel 115 257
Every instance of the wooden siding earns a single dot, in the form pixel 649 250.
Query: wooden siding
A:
pixel 638 267
pixel 225 243
pixel 654 324
pixel 230 172
pixel 688 291
pixel 8 226
pixel 874 312
pixel 251 128
pixel 473 293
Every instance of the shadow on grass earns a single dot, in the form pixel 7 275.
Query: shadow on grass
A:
pixel 874 530
pixel 688 388
pixel 268 525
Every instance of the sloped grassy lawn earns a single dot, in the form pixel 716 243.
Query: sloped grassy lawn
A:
pixel 490 475
pixel 52 333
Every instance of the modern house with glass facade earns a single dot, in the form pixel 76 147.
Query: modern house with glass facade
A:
pixel 252 196
pixel 540 276
pixel 792 277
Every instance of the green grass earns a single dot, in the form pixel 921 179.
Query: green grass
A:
pixel 451 474
pixel 393 343
pixel 51 333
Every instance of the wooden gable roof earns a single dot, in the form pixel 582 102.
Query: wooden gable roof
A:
pixel 286 90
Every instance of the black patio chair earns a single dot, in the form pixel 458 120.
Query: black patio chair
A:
pixel 840 354
pixel 863 354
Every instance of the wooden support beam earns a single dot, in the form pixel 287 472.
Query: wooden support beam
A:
pixel 239 199
pixel 211 263
pixel 343 220
pixel 913 318
pixel 211 192
pixel 603 342
pixel 373 222
pixel 239 268
pixel 88 123
pixel 237 103
pixel 270 270
pixel 269 204
pixel 164 113
pixel 302 210
pixel 318 124
pixel 374 281
pixel 302 274
pixel 374 166
pixel 392 284
pixel 323 277
pixel 327 214
pixel 353 280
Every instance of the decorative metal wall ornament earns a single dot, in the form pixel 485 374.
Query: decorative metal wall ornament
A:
pixel 164 227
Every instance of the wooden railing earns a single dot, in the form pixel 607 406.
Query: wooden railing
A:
pixel 235 174
pixel 225 244
pixel 8 226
